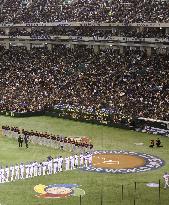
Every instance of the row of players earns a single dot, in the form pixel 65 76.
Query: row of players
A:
pixel 55 141
pixel 50 166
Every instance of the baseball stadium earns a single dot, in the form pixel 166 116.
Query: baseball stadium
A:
pixel 84 102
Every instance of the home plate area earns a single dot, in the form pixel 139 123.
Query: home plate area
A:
pixel 123 162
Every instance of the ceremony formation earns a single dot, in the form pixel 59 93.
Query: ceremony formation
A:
pixel 71 144
pixel 51 166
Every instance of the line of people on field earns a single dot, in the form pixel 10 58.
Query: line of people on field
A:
pixel 47 167
pixel 51 140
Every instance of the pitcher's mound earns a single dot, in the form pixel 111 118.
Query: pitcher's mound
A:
pixel 117 161
pixel 123 162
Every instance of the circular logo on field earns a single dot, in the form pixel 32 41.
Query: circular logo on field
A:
pixel 58 191
pixel 122 162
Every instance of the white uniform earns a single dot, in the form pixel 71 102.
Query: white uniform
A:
pixel 35 169
pixel 67 163
pixel 27 169
pixel 55 165
pixel 76 161
pixel 81 160
pixel 50 167
pixel 44 168
pixel 86 158
pixel 7 174
pixel 72 162
pixel 16 172
pixel 2 175
pixel 39 169
pixel 31 169
pixel 60 163
pixel 22 169
pixel 90 158
pixel 166 178
pixel 12 172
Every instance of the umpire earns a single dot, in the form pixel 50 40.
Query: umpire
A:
pixel 26 140
pixel 20 141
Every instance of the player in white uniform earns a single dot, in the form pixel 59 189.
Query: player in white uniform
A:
pixel 22 170
pixel 31 169
pixel 90 158
pixel 166 178
pixel 35 169
pixel 86 158
pixel 17 172
pixel 27 167
pixel 81 160
pixel 50 167
pixel 55 165
pixel 39 169
pixel 7 174
pixel 44 168
pixel 76 161
pixel 60 164
pixel 72 162
pixel 0 175
pixel 2 171
pixel 67 163
pixel 12 172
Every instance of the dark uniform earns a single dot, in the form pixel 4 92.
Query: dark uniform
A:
pixel 20 141
pixel 152 144
pixel 26 140
pixel 158 143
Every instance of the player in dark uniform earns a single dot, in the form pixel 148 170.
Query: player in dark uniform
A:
pixel 20 141
pixel 26 140
pixel 152 143
pixel 158 143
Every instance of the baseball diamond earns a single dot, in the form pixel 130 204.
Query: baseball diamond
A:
pixel 123 162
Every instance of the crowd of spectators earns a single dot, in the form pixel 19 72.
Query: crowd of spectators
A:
pixel 129 11
pixel 132 84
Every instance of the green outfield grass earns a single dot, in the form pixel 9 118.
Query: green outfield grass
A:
pixel 103 138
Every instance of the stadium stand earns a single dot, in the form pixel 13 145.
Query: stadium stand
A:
pixel 130 11
pixel 99 56
pixel 130 83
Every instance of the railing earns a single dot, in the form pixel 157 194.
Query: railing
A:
pixel 78 24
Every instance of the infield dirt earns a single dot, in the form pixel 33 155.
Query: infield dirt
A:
pixel 117 161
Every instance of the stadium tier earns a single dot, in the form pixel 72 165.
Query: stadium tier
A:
pixel 130 84
pixel 84 10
